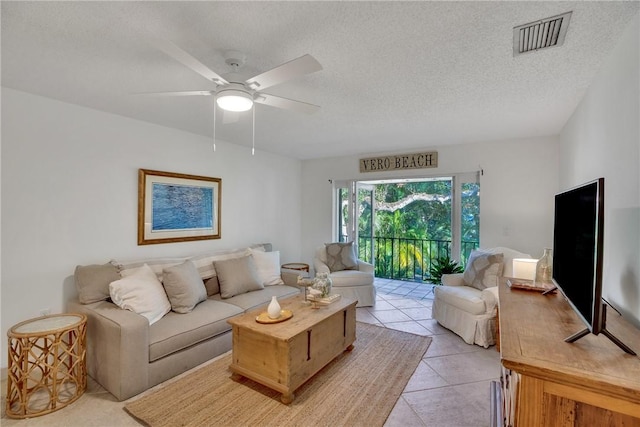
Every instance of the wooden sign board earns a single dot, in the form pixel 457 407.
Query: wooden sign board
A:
pixel 400 162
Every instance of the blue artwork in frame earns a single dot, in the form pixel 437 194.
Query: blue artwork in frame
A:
pixel 177 207
pixel 181 207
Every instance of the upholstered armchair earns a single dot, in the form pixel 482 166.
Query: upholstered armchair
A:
pixel 351 277
pixel 466 303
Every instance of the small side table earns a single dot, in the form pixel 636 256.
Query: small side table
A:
pixel 300 266
pixel 47 364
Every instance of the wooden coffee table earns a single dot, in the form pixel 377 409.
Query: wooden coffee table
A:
pixel 283 356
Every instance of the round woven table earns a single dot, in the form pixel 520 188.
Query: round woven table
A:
pixel 300 266
pixel 47 364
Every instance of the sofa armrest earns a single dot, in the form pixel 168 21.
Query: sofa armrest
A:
pixel 117 347
pixel 490 298
pixel 455 279
pixel 365 266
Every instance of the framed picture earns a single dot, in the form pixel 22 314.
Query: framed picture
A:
pixel 175 207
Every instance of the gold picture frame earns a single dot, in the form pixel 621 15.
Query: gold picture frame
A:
pixel 175 207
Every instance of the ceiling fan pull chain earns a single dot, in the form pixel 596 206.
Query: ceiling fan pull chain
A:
pixel 253 132
pixel 214 124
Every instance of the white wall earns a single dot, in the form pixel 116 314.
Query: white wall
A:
pixel 517 188
pixel 69 196
pixel 602 138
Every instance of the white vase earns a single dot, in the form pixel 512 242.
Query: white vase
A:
pixel 274 308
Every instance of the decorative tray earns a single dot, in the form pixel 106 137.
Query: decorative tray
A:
pixel 528 285
pixel 284 315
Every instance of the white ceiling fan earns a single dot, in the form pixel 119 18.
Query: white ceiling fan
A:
pixel 233 94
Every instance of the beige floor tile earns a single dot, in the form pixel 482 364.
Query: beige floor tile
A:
pixel 446 407
pixel 406 303
pixel 421 313
pixel 411 327
pixel 466 367
pixel 434 327
pixel 479 392
pixel 362 315
pixel 424 378
pixel 448 343
pixel 426 302
pixel 389 316
pixel 381 306
pixel 391 297
pixel 403 416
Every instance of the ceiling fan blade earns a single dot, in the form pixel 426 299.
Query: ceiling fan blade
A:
pixel 289 104
pixel 181 56
pixel 181 93
pixel 289 70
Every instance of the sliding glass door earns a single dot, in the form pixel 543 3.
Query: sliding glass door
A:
pixel 402 226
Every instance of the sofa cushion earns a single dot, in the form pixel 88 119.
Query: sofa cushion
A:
pixel 175 332
pixel 465 298
pixel 212 286
pixel 142 293
pixel 483 269
pixel 237 276
pixel 251 300
pixel 126 268
pixel 204 262
pixel 183 286
pixel 341 256
pixel 206 269
pixel 92 282
pixel 351 278
pixel 268 266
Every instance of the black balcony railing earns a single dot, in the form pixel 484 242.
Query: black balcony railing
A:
pixel 407 259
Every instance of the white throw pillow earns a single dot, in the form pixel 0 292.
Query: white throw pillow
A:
pixel 268 267
pixel 142 293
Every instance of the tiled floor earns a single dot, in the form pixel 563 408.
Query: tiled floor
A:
pixel 450 387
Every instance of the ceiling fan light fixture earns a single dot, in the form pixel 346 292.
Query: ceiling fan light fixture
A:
pixel 234 100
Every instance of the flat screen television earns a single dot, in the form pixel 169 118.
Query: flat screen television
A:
pixel 578 233
pixel 577 249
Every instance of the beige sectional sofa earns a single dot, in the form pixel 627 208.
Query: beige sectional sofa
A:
pixel 127 355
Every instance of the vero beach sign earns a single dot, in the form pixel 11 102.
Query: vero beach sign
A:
pixel 400 162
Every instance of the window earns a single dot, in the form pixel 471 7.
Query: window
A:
pixel 402 225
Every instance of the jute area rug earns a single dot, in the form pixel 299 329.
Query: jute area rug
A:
pixel 358 388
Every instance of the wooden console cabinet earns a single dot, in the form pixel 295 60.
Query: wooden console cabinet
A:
pixel 549 382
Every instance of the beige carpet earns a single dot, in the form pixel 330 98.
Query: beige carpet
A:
pixel 359 388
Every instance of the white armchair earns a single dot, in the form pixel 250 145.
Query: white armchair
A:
pixel 355 284
pixel 467 311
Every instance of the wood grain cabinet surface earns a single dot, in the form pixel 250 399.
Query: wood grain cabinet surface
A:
pixel 549 382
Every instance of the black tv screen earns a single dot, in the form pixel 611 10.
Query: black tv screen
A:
pixel 577 249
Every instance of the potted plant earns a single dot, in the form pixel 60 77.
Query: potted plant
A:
pixel 443 265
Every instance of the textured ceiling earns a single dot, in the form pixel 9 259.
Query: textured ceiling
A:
pixel 398 76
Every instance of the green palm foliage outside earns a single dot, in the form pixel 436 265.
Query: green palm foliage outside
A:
pixel 412 226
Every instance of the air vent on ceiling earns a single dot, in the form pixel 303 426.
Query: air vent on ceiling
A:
pixel 548 32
